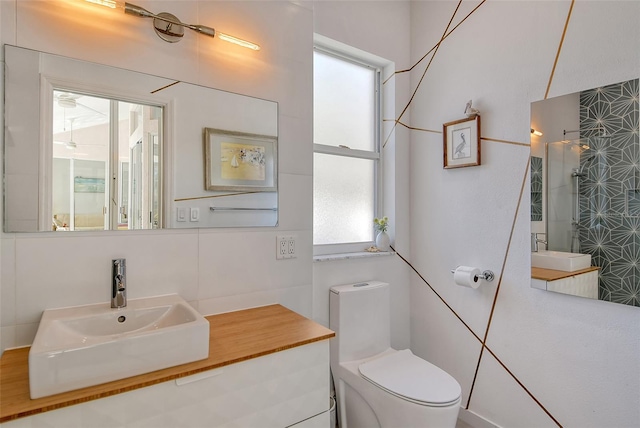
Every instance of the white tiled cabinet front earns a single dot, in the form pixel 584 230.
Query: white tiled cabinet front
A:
pixel 276 390
pixel 583 285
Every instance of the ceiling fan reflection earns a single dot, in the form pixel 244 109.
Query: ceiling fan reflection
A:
pixel 71 144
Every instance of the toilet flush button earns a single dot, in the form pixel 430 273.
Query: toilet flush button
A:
pixel 361 284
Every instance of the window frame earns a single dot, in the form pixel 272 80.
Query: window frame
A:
pixel 355 56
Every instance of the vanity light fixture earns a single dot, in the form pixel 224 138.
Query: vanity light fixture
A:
pixel 168 27
pixel 536 132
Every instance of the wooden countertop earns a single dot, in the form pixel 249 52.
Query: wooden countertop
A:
pixel 234 337
pixel 553 275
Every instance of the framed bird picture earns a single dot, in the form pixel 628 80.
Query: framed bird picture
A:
pixel 461 140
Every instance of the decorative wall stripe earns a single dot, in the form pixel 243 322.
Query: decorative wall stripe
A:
pixel 522 385
pixel 493 140
pixel 484 345
pixel 519 202
pixel 495 299
pixel 438 295
pixel 495 296
pixel 418 129
pixel 212 196
pixel 165 87
pixel 555 62
pixel 438 44
pixel 435 50
pixel 515 143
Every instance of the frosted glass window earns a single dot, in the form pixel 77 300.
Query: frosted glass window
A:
pixel 344 103
pixel 343 192
pixel 346 164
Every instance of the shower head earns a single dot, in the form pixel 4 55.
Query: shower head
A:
pixel 579 172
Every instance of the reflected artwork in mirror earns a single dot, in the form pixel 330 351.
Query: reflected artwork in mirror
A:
pixel 92 147
pixel 592 159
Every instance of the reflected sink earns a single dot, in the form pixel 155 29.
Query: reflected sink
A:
pixel 559 260
pixel 87 345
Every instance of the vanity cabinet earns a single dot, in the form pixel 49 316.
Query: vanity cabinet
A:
pixel 583 283
pixel 277 390
pixel 267 367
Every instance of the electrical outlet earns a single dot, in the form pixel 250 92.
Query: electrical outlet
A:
pixel 291 247
pixel 286 247
pixel 282 247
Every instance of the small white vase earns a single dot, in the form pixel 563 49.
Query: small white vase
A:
pixel 383 241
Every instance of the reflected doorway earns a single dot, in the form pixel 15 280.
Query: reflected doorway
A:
pixel 106 163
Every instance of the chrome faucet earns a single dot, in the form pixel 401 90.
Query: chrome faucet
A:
pixel 118 283
pixel 535 241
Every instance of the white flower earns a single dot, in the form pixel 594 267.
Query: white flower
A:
pixel 381 224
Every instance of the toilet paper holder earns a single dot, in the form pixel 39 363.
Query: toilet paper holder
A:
pixel 487 275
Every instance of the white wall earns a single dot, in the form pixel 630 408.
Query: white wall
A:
pixel 216 270
pixel 579 358
pixel 208 266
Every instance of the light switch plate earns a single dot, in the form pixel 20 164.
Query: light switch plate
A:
pixel 182 214
pixel 195 214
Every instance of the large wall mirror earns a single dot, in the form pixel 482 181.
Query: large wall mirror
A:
pixel 589 153
pixel 91 147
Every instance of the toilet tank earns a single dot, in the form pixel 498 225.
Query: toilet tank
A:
pixel 359 314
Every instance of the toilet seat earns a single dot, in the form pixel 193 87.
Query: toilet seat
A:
pixel 409 377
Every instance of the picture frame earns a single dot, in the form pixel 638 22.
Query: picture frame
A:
pixel 461 139
pixel 88 185
pixel 239 161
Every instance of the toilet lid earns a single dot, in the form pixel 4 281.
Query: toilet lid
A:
pixel 413 378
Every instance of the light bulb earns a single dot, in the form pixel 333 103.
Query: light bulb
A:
pixel 536 133
pixel 113 4
pixel 128 8
pixel 237 41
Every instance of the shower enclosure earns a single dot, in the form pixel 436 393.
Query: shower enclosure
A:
pixel 570 169
pixel 593 207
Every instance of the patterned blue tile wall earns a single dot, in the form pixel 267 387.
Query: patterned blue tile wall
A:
pixel 610 192
pixel 536 188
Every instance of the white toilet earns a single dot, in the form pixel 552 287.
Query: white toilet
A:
pixel 376 385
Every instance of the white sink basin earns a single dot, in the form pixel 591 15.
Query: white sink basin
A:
pixel 558 260
pixel 88 345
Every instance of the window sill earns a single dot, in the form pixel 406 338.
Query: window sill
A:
pixel 345 256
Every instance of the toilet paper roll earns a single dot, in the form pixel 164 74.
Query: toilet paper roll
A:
pixel 467 276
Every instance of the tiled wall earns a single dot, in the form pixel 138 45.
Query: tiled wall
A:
pixel 536 188
pixel 208 267
pixel 610 193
